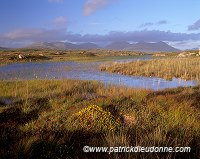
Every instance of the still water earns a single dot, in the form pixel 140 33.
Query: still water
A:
pixel 86 71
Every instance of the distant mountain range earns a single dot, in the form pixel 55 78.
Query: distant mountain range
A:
pixel 3 48
pixel 122 45
pixel 193 49
pixel 143 47
pixel 63 45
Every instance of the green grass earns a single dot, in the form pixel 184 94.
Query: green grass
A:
pixel 11 56
pixel 167 68
pixel 39 120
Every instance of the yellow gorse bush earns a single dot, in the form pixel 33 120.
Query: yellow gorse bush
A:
pixel 94 117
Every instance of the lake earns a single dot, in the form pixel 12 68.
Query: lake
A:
pixel 87 71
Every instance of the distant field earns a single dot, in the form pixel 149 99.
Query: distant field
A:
pixel 28 55
pixel 185 68
pixel 56 118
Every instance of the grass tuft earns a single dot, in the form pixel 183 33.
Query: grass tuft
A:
pixel 56 118
pixel 184 68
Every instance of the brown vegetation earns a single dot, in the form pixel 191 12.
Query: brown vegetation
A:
pixel 37 119
pixel 167 68
pixel 28 55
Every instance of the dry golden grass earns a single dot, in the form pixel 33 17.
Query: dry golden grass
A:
pixel 184 68
pixel 38 122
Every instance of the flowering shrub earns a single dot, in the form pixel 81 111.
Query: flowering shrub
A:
pixel 94 117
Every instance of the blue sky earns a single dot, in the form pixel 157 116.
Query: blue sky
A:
pixel 176 22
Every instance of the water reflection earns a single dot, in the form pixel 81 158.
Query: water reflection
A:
pixel 85 71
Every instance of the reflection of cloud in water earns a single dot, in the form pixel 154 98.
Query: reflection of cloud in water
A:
pixel 84 71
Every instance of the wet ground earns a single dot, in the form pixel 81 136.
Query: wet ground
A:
pixel 86 71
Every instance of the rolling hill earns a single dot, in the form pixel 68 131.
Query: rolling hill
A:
pixel 119 45
pixel 122 45
pixel 63 45
pixel 142 46
pixel 3 48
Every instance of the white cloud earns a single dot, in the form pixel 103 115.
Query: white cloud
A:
pixel 186 44
pixel 92 5
pixel 24 36
pixel 161 22
pixel 195 26
pixel 148 24
pixel 56 1
pixel 135 36
pixel 60 22
pixel 34 34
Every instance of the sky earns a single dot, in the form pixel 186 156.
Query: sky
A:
pixel 176 22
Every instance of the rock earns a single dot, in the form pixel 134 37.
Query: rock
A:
pixel 181 55
pixel 159 55
pixel 199 52
pixel 186 54
pixel 20 56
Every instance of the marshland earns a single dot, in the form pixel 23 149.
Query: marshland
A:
pixel 167 68
pixel 56 118
pixel 45 112
pixel 99 79
pixel 30 55
pixel 76 64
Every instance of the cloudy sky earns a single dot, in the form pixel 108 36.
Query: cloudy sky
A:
pixel 176 22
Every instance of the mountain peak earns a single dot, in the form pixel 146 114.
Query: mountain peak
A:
pixel 63 45
pixel 142 42
pixel 116 45
pixel 161 42
pixel 143 47
pixel 3 48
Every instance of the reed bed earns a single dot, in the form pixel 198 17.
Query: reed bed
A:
pixel 167 68
pixel 51 119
